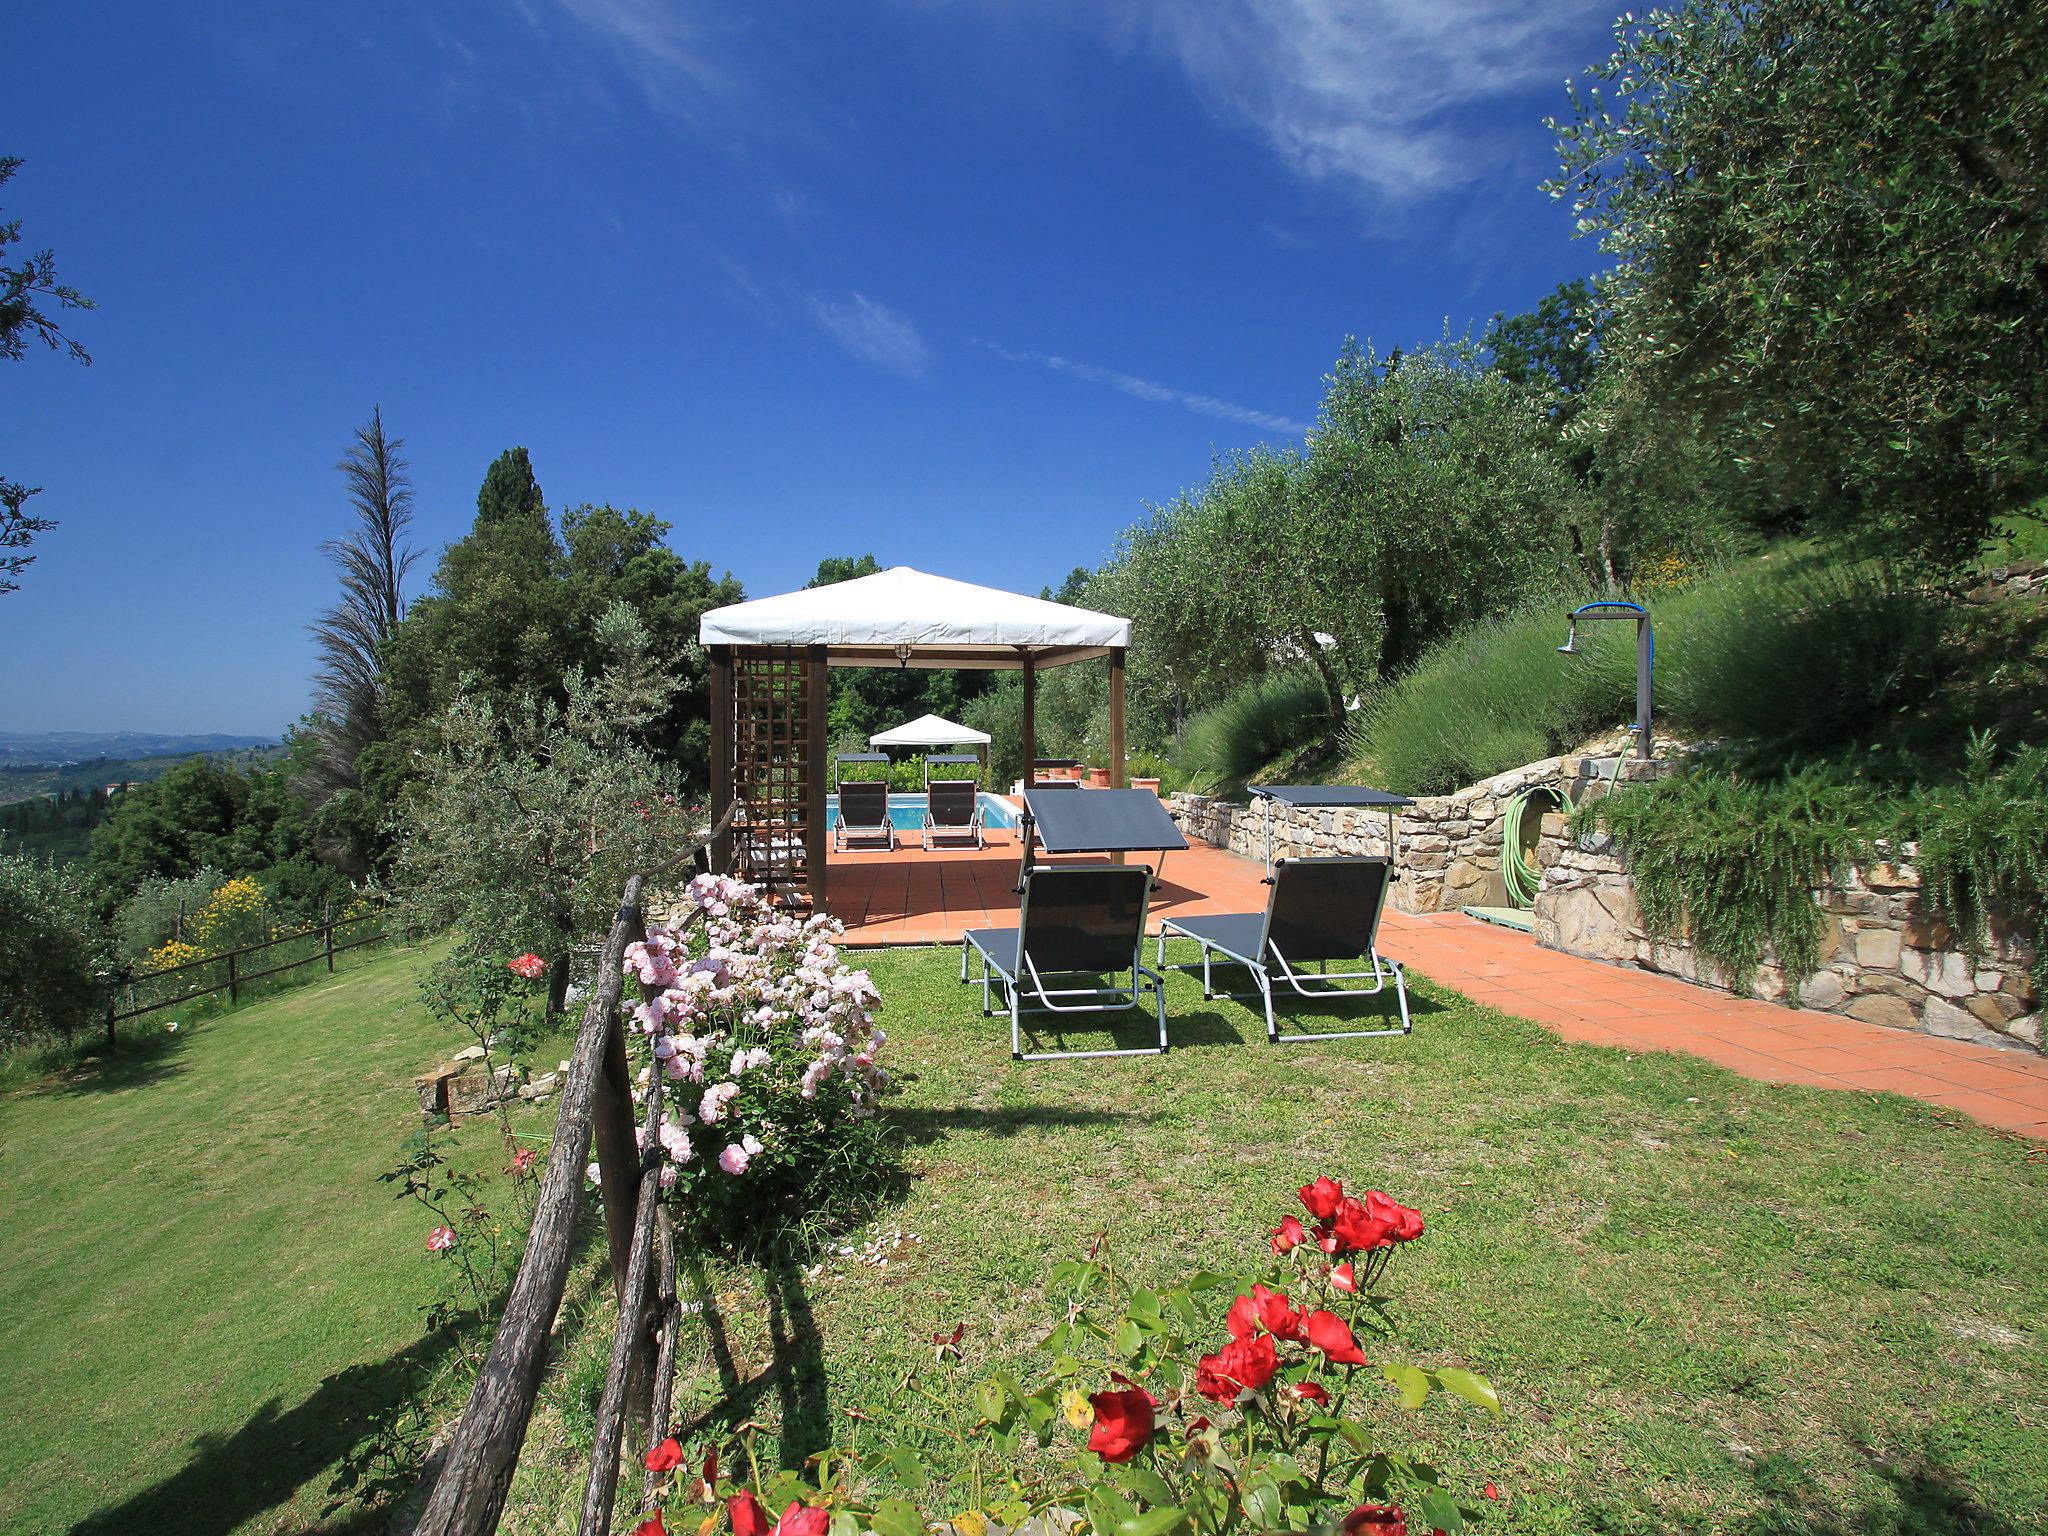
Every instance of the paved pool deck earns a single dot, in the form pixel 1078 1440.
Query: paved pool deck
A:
pixel 912 896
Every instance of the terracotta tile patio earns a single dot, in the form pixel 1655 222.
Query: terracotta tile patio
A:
pixel 914 897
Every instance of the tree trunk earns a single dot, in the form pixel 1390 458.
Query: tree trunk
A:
pixel 1331 687
pixel 558 984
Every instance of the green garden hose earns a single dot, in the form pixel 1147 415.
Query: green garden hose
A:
pixel 1518 872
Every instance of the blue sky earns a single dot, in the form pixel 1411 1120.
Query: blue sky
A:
pixel 964 284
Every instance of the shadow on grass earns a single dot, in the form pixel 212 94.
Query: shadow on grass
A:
pixel 1927 1500
pixel 139 1063
pixel 231 1479
pixel 795 1372
pixel 922 1127
pixel 1219 1022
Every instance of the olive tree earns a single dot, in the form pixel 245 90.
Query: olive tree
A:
pixel 1830 228
pixel 529 816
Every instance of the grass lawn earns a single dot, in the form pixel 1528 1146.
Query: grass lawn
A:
pixel 1710 1305
pixel 203 1289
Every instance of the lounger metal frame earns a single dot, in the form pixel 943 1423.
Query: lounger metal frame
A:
pixel 1001 980
pixel 1309 984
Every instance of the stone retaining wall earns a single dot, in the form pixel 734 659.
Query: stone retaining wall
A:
pixel 1887 962
pixel 1449 844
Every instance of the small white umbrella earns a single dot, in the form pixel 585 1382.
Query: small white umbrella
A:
pixel 930 731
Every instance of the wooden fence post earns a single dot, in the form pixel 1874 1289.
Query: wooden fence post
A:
pixel 327 929
pixel 476 1470
pixel 612 1126
pixel 234 985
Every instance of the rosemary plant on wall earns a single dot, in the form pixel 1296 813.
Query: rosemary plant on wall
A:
pixel 1983 849
pixel 1732 864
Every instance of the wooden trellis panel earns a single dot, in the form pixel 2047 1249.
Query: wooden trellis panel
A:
pixel 777 725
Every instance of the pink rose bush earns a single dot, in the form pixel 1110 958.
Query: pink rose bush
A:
pixel 1217 1406
pixel 768 1052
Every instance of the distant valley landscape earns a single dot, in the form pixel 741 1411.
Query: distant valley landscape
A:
pixel 56 748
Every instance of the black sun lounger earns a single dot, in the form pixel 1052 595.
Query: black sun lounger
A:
pixel 1318 910
pixel 952 814
pixel 863 818
pixel 1076 923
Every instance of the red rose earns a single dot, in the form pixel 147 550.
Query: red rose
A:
pixel 1289 1234
pixel 1262 1309
pixel 528 965
pixel 1275 1316
pixel 1356 1230
pixel 651 1526
pixel 1404 1222
pixel 1326 1331
pixel 748 1517
pixel 1242 1365
pixel 1242 1318
pixel 1308 1392
pixel 802 1519
pixel 1344 1279
pixel 665 1457
pixel 1321 1197
pixel 1123 1423
pixel 1376 1520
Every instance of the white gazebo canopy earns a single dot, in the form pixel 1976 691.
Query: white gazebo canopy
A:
pixel 902 617
pixel 931 731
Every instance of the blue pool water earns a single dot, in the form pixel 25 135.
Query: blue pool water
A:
pixel 907 811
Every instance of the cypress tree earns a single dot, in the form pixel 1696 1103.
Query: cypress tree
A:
pixel 509 491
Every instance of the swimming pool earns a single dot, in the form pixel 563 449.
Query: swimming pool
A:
pixel 906 812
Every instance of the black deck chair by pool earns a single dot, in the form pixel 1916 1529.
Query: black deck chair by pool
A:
pixel 952 814
pixel 1318 910
pixel 863 817
pixel 1076 924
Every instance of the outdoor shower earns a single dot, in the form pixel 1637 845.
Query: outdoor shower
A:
pixel 1646 655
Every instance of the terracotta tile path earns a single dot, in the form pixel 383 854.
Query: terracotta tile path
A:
pixel 915 897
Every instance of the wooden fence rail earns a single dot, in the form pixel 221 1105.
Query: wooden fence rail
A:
pixel 596 1118
pixel 237 978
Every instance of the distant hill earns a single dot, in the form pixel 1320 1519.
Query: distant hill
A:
pixel 31 781
pixel 56 748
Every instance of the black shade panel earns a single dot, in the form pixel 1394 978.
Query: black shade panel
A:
pixel 1103 821
pixel 1329 796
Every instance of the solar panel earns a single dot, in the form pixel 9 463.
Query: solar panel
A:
pixel 951 757
pixel 1102 821
pixel 1328 796
pixel 861 757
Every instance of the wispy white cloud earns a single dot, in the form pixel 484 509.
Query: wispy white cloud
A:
pixel 1360 92
pixel 872 331
pixel 1147 389
pixel 669 48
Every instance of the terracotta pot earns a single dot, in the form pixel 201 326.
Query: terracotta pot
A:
pixel 1098 778
pixel 1151 784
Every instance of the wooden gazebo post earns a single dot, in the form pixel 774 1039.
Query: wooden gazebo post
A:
pixel 721 757
pixel 1116 719
pixel 1030 719
pixel 815 696
pixel 1116 727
